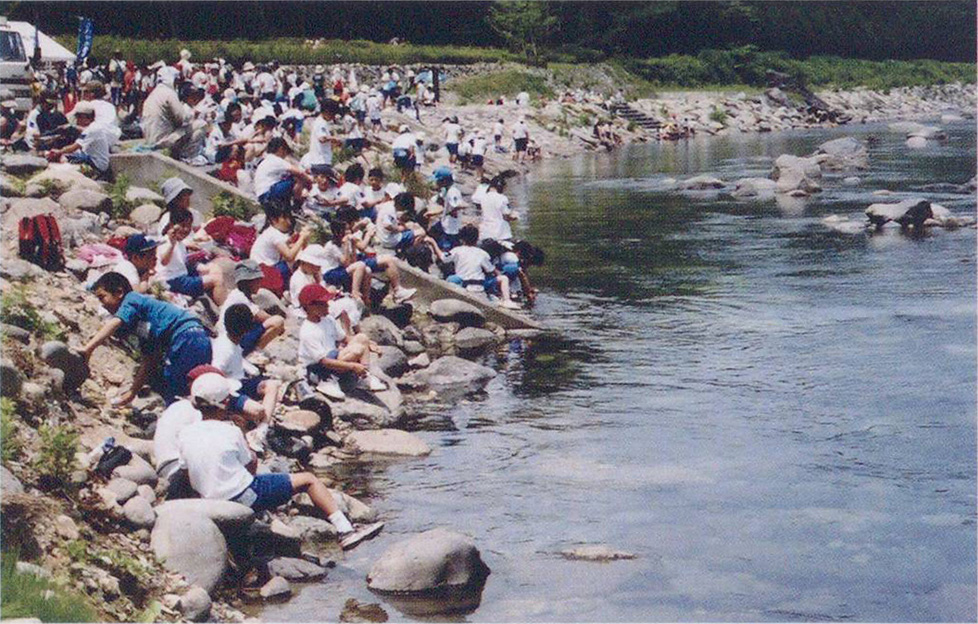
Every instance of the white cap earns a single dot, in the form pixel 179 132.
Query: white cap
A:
pixel 404 128
pixel 172 187
pixel 248 66
pixel 314 254
pixel 213 388
pixel 394 189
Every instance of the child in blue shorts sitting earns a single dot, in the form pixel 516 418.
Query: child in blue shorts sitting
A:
pixel 220 466
pixel 258 395
pixel 172 268
pixel 172 340
pixel 474 269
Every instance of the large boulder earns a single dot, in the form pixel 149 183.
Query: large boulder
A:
pixel 382 330
pixel 370 410
pixel 294 569
pixel 299 422
pixel 140 195
pixel 842 153
pixel 913 211
pixel 20 270
pixel 392 361
pixel 11 381
pixel 9 484
pixel 63 177
pixel 701 183
pixel 226 514
pixel 474 339
pixel 928 133
pixel 754 187
pixel 916 142
pixel 85 200
pixel 388 442
pixel 313 529
pixel 435 561
pixel 450 373
pixel 56 354
pixel 22 164
pixel 145 215
pixel 457 311
pixel 190 544
pixel 790 180
pixel 808 166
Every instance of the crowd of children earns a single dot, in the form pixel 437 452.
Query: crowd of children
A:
pixel 219 404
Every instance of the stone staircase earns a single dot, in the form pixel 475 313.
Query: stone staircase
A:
pixel 638 118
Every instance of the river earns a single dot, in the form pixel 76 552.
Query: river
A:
pixel 777 419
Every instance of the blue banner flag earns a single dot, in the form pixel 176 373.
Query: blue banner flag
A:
pixel 86 34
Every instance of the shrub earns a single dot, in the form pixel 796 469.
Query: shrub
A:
pixel 719 115
pixel 56 458
pixel 231 205
pixel 121 206
pixel 10 443
pixel 24 595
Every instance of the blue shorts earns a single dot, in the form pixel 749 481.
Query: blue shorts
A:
pixel 250 340
pixel 267 491
pixel 190 285
pixel 283 268
pixel 477 160
pixel 490 284
pixel 190 347
pixel 404 240
pixel 280 190
pixel 354 144
pixel 360 115
pixel 338 277
pixel 520 144
pixel 369 213
pixel 510 269
pixel 317 372
pixel 452 148
pixel 447 242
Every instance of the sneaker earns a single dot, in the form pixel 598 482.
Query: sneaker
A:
pixel 372 383
pixel 510 305
pixel 331 388
pixel 403 294
pixel 352 539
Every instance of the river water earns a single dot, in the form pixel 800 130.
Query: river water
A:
pixel 777 419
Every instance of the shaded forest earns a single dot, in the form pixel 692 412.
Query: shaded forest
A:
pixel 590 30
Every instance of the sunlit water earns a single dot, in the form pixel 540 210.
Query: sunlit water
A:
pixel 777 419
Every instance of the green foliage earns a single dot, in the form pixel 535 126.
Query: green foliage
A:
pixel 16 309
pixel 55 460
pixel 746 65
pixel 524 25
pixel 228 204
pixel 293 51
pixel 507 83
pixel 114 560
pixel 344 154
pixel 10 443
pixel 121 206
pixel 719 115
pixel 24 595
pixel 416 185
pixel 584 120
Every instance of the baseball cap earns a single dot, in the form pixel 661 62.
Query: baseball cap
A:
pixel 172 187
pixel 213 389
pixel 247 270
pixel 314 293
pixel 138 243
pixel 314 254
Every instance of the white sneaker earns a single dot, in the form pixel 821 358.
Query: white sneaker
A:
pixel 372 383
pixel 510 305
pixel 353 539
pixel 331 388
pixel 403 294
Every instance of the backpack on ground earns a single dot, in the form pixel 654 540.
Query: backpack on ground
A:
pixel 40 242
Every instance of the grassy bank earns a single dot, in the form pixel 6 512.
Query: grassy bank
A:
pixel 709 69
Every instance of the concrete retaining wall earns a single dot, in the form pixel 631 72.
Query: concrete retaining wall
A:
pixel 151 167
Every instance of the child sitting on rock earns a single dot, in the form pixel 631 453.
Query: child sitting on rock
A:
pixel 474 269
pixel 172 268
pixel 265 327
pixel 220 465
pixel 325 351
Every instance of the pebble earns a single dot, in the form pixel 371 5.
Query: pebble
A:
pixel 124 489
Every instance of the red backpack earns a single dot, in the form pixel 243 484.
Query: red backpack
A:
pixel 40 242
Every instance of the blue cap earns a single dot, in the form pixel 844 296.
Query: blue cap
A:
pixel 138 243
pixel 441 173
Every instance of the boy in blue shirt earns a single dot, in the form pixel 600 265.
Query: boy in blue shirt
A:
pixel 169 337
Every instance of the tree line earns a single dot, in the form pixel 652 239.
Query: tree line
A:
pixel 940 30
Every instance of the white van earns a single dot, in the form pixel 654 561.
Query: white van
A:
pixel 15 70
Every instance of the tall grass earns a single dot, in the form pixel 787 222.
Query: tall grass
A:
pixel 24 595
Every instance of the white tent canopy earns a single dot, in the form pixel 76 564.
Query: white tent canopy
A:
pixel 51 50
